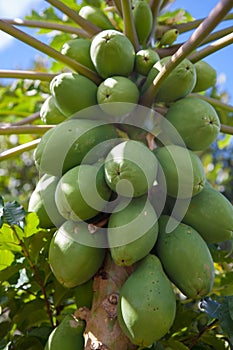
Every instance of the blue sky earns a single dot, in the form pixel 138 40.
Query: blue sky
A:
pixel 17 55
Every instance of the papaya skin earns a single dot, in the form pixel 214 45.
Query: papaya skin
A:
pixel 139 224
pixel 143 19
pixel 147 314
pixel 96 16
pixel 71 262
pixel 194 276
pixel 195 120
pixel 210 213
pixel 144 60
pixel 112 53
pixel 206 76
pixel 49 113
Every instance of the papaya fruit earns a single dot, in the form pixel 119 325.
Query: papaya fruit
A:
pixel 206 76
pixel 210 213
pixel 195 120
pixel 147 303
pixel 117 95
pixel 194 276
pixel 130 168
pixel 96 16
pixel 82 192
pixel 182 169
pixel 73 92
pixel 79 50
pixel 132 230
pixel 168 37
pixel 143 19
pixel 144 60
pixel 72 142
pixel 49 113
pixel 42 202
pixel 112 53
pixel 178 84
pixel 72 262
pixel 67 335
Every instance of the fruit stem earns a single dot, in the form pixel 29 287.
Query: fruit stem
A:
pixel 214 102
pixel 26 129
pixel 26 74
pixel 155 9
pixel 31 118
pixel 82 22
pixel 213 47
pixel 15 151
pixel 49 25
pixel 117 4
pixel 129 27
pixel 210 22
pixel 28 39
pixel 226 129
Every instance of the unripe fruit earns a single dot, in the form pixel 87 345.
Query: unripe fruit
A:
pixel 49 113
pixel 82 192
pixel 130 168
pixel 73 263
pixel 169 37
pixel 96 16
pixel 117 89
pixel 206 76
pixel 79 50
pixel 183 171
pixel 144 60
pixel 112 53
pixel 178 84
pixel 73 92
pixel 195 120
pixel 143 19
pixel 194 277
pixel 42 202
pixel 132 230
pixel 147 303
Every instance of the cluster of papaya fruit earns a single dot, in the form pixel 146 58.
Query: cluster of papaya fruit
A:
pixel 106 189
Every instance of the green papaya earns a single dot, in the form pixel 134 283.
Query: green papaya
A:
pixel 130 168
pixel 132 230
pixel 72 262
pixel 96 16
pixel 185 257
pixel 168 37
pixel 49 113
pixel 210 213
pixel 144 60
pixel 79 50
pixel 178 84
pixel 147 303
pixel 117 95
pixel 195 120
pixel 112 53
pixel 73 142
pixel 42 202
pixel 82 192
pixel 182 169
pixel 73 92
pixel 68 335
pixel 143 19
pixel 206 76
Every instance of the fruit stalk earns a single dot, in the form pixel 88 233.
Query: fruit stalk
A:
pixel 210 22
pixel 26 129
pixel 83 23
pixel 28 39
pixel 15 151
pixel 49 25
pixel 129 27
pixel 102 328
pixel 26 74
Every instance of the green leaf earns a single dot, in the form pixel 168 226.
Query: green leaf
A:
pixel 8 239
pixel 31 224
pixel 6 259
pixel 14 213
pixel 176 345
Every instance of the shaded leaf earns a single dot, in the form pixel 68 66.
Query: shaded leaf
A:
pixel 14 213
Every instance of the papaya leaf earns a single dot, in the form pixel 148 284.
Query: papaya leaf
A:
pixel 27 343
pixel 31 224
pixel 6 259
pixel 211 307
pixel 14 213
pixel 176 345
pixel 1 210
pixel 8 239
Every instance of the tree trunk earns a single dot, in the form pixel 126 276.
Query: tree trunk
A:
pixel 102 328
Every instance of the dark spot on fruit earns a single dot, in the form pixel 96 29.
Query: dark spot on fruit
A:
pixel 187 68
pixel 107 96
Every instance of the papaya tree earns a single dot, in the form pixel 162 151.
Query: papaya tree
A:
pixel 116 217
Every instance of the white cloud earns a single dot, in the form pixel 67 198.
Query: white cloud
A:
pixel 13 9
